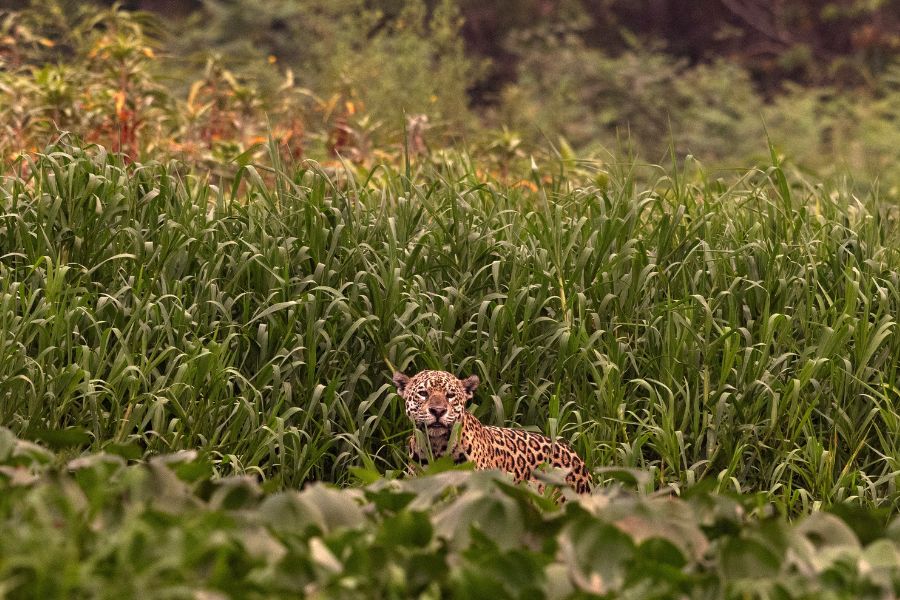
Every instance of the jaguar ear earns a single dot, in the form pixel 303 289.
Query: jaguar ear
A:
pixel 470 384
pixel 400 380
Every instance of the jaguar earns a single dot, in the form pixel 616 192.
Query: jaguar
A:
pixel 436 402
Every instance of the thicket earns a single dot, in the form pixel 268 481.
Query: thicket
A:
pixel 95 528
pixel 348 90
pixel 205 287
pixel 344 81
pixel 695 329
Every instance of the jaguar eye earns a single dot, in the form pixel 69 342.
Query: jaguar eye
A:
pixel 423 393
pixel 450 395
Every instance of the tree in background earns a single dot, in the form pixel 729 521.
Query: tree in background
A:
pixel 814 42
pixel 344 79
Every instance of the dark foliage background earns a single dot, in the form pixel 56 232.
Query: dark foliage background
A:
pixel 805 41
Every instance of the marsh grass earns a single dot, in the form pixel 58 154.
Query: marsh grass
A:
pixel 739 331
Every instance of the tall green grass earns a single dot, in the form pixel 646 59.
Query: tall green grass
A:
pixel 738 330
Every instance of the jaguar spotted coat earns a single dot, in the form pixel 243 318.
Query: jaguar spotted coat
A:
pixel 435 401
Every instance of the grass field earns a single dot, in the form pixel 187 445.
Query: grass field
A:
pixel 738 331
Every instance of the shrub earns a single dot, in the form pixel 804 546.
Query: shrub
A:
pixel 355 59
pixel 834 132
pixel 640 99
pixel 93 527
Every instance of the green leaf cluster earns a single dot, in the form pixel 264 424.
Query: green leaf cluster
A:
pixel 95 528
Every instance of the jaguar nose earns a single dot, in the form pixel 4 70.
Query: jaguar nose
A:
pixel 437 412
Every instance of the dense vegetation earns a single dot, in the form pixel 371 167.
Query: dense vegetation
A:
pixel 358 81
pixel 210 264
pixel 694 329
pixel 96 528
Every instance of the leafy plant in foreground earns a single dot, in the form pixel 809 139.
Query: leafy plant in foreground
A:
pixel 93 527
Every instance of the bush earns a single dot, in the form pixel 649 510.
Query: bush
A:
pixel 640 99
pixel 648 103
pixel 383 65
pixel 836 133
pixel 360 76
pixel 93 527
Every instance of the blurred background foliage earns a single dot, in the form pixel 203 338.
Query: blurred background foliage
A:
pixel 360 80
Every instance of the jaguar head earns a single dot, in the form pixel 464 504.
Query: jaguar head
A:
pixel 435 399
